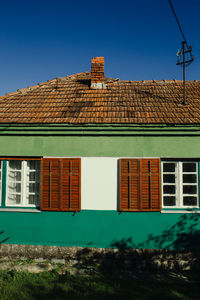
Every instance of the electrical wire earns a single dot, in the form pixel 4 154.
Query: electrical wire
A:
pixel 177 21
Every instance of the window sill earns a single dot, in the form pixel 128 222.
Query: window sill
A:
pixel 179 211
pixel 20 210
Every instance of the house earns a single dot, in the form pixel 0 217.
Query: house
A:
pixel 93 161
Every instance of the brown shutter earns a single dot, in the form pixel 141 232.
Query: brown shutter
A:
pixel 45 184
pixel 139 188
pixel 129 184
pixel 71 184
pixel 50 184
pixel 60 184
pixel 150 184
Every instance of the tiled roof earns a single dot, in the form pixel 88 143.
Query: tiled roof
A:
pixel 71 100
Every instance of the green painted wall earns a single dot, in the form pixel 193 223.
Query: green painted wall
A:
pixel 99 140
pixel 102 229
pixel 139 146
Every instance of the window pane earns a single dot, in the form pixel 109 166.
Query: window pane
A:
pixel 33 182
pixel 34 187
pixel 18 187
pixel 18 199
pixel 15 164
pixel 14 187
pixel 190 201
pixel 33 199
pixel 169 189
pixel 32 176
pixel 33 164
pixel 189 189
pixel 189 178
pixel 17 176
pixel 14 199
pixel 169 167
pixel 169 178
pixel 169 200
pixel 14 176
pixel 189 167
pixel 31 187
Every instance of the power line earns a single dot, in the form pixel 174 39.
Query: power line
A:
pixel 177 21
pixel 183 53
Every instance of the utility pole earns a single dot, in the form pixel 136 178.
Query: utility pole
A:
pixel 182 54
pixel 183 62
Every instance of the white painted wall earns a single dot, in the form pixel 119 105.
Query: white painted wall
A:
pixel 99 183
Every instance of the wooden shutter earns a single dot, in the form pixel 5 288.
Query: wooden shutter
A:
pixel 139 185
pixel 150 184
pixel 129 184
pixel 71 184
pixel 61 184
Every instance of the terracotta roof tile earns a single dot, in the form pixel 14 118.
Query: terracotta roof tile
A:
pixel 71 100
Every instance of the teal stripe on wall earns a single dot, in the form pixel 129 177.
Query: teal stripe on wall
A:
pixel 151 230
pixel 3 194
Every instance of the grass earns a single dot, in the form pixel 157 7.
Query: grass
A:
pixel 51 285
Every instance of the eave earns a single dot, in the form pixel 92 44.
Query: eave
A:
pixel 99 130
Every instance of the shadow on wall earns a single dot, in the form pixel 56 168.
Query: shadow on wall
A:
pixel 126 256
pixel 4 240
pixel 184 235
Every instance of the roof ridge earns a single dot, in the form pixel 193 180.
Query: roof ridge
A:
pixel 155 80
pixel 74 76
pixel 40 84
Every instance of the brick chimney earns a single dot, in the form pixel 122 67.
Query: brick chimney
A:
pixel 97 73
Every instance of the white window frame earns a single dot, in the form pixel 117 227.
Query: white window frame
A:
pixel 179 184
pixel 24 181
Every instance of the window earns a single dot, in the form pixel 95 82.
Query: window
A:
pixel 49 183
pixel 139 188
pixel 61 184
pixel 180 184
pixel 23 183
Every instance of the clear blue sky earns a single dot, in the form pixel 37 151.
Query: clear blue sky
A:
pixel 41 40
